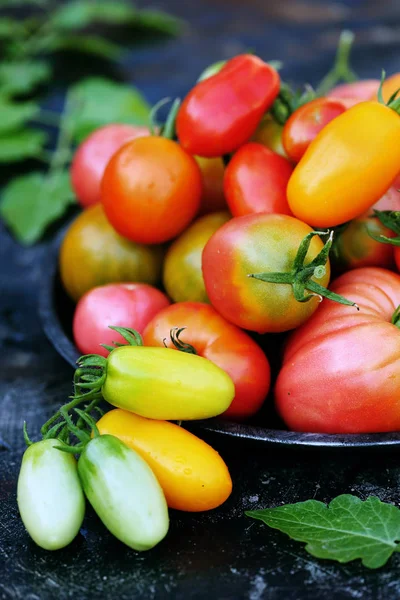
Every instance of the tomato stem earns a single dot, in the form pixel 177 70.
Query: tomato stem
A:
pixel 27 439
pixel 301 276
pixel 341 70
pixel 178 343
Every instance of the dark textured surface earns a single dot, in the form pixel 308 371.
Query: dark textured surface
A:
pixel 220 555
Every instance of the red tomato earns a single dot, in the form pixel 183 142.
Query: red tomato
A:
pixel 306 122
pixel 222 112
pixel 341 369
pixel 362 90
pixel 221 342
pixel 256 180
pixel 251 244
pixel 212 174
pixel 151 190
pixel 121 304
pixel 92 156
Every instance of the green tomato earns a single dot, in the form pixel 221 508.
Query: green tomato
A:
pixel 50 497
pixel 124 492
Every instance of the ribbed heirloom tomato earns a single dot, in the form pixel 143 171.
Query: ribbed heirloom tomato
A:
pixel 211 336
pixel 341 369
pixel 151 190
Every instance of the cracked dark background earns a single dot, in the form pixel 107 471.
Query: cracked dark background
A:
pixel 222 554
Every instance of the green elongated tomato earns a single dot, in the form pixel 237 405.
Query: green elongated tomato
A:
pixel 124 492
pixel 160 383
pixel 50 497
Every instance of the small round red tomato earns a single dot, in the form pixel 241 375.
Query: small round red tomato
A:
pixel 269 134
pixel 92 156
pixel 222 112
pixel 212 174
pixel 130 305
pixel 224 344
pixel 253 244
pixel 92 253
pixel 182 276
pixel 255 181
pixel 151 190
pixel 306 122
pixel 362 90
pixel 340 371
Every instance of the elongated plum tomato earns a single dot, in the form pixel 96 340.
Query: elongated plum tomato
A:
pixel 212 174
pixel 151 190
pixel 258 243
pixel 120 304
pixel 192 475
pixel 93 253
pixel 344 171
pixel 211 336
pixel 182 275
pixel 50 497
pixel 256 180
pixel 124 492
pixel 160 383
pixel 340 371
pixel 92 156
pixel 306 122
pixel 222 112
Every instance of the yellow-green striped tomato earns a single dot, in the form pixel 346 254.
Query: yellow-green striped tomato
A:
pixel 50 497
pixel 124 492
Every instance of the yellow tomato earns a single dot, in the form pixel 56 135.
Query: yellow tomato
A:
pixel 192 475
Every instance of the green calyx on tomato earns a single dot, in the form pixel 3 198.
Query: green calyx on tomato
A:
pixel 180 344
pixel 288 101
pixel 394 101
pixel 391 220
pixel 300 277
pixel 395 320
pixel 168 129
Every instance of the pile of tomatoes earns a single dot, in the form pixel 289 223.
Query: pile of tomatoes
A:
pixel 200 240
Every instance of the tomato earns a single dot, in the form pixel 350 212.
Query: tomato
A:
pixel 306 122
pixel 120 304
pixel 361 90
pixel 151 190
pixel 159 383
pixel 256 180
pixel 221 342
pixel 183 279
pixel 269 134
pixel 254 244
pixel 124 492
pixel 346 169
pixel 50 498
pixel 212 173
pixel 93 254
pixel 389 87
pixel 192 475
pixel 340 371
pixel 92 156
pixel 222 112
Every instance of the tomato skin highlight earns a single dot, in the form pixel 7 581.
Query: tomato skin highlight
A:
pixel 256 180
pixel 345 171
pixel 159 383
pixel 191 473
pixel 182 275
pixel 50 498
pixel 223 111
pixel 93 254
pixel 93 155
pixel 130 305
pixel 258 243
pixel 340 371
pixel 151 190
pixel 224 344
pixel 124 492
pixel 306 122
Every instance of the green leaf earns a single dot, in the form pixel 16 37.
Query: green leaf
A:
pixel 97 102
pixel 22 77
pixel 9 28
pixel 13 115
pixel 18 145
pixel 31 202
pixel 158 21
pixel 89 44
pixel 347 529
pixel 82 13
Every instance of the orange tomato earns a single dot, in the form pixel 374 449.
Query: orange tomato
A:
pixel 93 254
pixel 348 167
pixel 192 475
